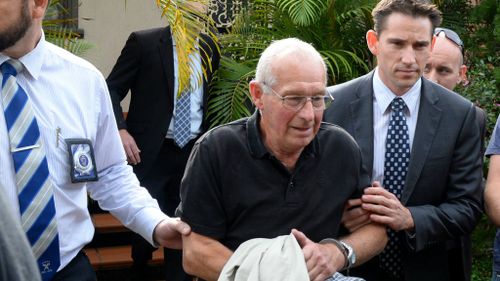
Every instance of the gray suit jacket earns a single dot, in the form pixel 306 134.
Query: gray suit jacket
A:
pixel 443 184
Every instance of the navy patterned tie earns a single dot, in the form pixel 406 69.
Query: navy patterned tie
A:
pixel 36 201
pixel 182 121
pixel 397 157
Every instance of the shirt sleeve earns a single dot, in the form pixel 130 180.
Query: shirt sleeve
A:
pixel 118 189
pixel 201 196
pixel 494 145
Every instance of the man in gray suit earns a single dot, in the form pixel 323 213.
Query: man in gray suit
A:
pixel 430 162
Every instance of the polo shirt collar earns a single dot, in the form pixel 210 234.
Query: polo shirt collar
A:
pixel 257 147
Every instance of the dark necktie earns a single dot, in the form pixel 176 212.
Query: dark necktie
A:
pixel 36 201
pixel 397 157
pixel 182 121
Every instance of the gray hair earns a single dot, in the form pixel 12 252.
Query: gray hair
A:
pixel 284 48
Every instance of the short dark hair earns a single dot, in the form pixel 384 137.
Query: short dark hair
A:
pixel 414 8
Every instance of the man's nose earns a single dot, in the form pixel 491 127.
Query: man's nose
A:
pixel 307 111
pixel 408 56
pixel 432 75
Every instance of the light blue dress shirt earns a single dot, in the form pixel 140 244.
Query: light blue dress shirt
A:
pixel 382 99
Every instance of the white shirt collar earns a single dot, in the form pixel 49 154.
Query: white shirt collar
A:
pixel 33 60
pixel 384 96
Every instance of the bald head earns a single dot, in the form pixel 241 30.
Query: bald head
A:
pixel 445 65
pixel 289 51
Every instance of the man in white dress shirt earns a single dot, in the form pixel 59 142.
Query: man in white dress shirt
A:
pixel 71 105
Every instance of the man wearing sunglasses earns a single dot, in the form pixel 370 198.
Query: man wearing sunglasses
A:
pixel 277 172
pixel 446 67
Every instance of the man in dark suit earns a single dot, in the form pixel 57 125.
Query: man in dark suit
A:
pixel 147 67
pixel 446 67
pixel 419 140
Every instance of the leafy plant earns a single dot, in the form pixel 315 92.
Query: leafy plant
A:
pixel 57 32
pixel 187 18
pixel 335 28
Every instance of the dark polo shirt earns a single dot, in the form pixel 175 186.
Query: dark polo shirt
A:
pixel 234 189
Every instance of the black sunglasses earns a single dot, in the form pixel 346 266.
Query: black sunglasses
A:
pixel 451 35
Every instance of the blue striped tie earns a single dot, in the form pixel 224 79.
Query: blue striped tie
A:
pixel 36 201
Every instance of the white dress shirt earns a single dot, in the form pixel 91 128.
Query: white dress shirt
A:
pixel 382 99
pixel 70 95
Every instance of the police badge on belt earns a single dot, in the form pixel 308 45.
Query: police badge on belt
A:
pixel 82 160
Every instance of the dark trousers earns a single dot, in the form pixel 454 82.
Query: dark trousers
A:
pixel 79 269
pixel 163 182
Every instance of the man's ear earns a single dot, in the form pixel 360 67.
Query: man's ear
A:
pixel 433 41
pixel 372 41
pixel 39 8
pixel 256 92
pixel 463 75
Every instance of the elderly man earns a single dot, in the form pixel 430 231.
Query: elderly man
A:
pixel 56 113
pixel 420 142
pixel 446 67
pixel 279 170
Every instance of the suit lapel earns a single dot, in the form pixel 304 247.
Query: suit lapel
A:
pixel 361 110
pixel 165 49
pixel 427 124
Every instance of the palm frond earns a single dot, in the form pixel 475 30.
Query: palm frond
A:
pixel 342 61
pixel 229 99
pixel 186 20
pixel 57 32
pixel 303 12
pixel 68 40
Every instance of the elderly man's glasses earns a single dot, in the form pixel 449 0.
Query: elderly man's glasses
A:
pixel 296 103
pixel 451 35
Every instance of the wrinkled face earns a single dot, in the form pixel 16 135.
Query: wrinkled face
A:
pixel 285 130
pixel 402 49
pixel 445 64
pixel 14 21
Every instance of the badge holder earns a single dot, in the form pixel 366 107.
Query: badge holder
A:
pixel 82 160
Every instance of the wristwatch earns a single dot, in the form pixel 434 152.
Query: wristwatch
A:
pixel 351 255
pixel 345 249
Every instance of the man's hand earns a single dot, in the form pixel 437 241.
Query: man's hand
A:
pixel 322 260
pixel 354 216
pixel 386 209
pixel 169 231
pixel 130 147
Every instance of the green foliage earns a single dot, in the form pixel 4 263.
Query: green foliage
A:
pixel 483 90
pixel 68 40
pixel 187 18
pixel 335 28
pixel 303 12
pixel 482 242
pixel 230 97
pixel 479 28
pixel 58 33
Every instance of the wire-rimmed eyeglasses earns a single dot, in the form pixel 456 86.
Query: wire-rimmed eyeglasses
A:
pixel 451 35
pixel 296 103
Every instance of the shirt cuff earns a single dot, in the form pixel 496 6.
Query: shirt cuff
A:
pixel 146 221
